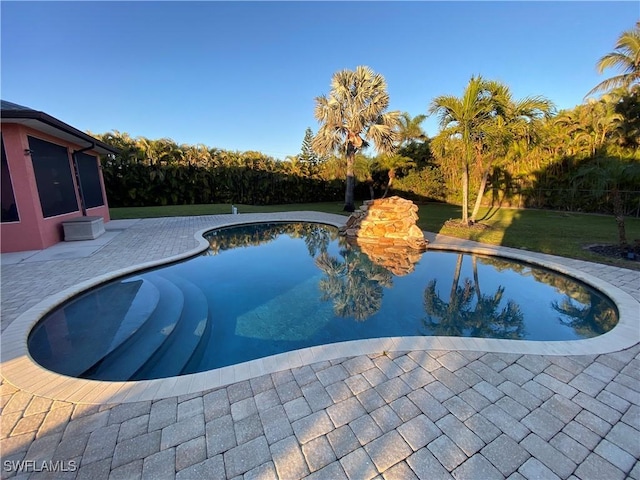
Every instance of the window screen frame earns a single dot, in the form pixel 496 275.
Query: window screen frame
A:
pixel 54 178
pixel 89 173
pixel 6 176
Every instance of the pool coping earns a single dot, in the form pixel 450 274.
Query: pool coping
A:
pixel 20 370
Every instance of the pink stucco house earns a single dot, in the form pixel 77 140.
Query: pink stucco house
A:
pixel 50 174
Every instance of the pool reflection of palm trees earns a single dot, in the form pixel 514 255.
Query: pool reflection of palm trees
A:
pixel 593 315
pixel 354 284
pixel 355 280
pixel 581 309
pixel 459 317
pixel 316 236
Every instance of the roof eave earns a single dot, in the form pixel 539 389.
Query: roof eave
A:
pixel 100 147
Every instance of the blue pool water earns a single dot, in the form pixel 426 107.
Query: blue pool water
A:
pixel 270 288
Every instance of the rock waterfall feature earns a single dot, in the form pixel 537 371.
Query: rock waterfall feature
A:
pixel 385 229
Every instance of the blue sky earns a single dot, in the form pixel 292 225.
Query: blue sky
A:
pixel 244 75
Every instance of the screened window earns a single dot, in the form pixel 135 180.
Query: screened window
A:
pixel 90 180
pixel 8 205
pixel 53 177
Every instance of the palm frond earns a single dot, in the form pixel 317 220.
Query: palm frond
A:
pixel 625 57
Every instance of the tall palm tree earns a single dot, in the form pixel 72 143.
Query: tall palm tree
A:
pixel 353 114
pixel 409 128
pixel 466 118
pixel 625 57
pixel 513 120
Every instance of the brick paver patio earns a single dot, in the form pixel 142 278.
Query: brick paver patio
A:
pixel 393 415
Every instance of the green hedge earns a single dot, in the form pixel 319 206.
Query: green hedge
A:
pixel 136 185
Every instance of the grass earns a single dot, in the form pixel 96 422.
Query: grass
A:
pixel 559 233
pixel 217 209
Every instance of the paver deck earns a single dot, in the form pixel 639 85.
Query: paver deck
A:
pixel 437 410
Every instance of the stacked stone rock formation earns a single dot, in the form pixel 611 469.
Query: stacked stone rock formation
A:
pixel 386 230
pixel 398 260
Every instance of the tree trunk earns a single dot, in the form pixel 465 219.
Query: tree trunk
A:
pixel 369 183
pixel 483 186
pixel 465 174
pixel 476 280
pixel 618 213
pixel 465 195
pixel 392 175
pixel 349 205
pixel 456 279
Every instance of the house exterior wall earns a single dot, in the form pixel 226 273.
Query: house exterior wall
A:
pixel 33 231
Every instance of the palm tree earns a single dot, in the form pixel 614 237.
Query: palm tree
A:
pixel 611 174
pixel 409 128
pixel 625 57
pixel 512 121
pixel 465 118
pixel 626 104
pixel 574 126
pixel 590 128
pixel 197 155
pixel 352 114
pixel 295 164
pixel 606 119
pixel 333 168
pixel 363 168
pixel 391 163
pixel 446 147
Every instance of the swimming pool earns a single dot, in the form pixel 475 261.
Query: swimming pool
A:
pixel 270 288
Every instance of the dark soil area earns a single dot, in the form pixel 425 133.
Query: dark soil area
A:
pixel 455 223
pixel 614 251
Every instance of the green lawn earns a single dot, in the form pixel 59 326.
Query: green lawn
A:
pixel 558 233
pixel 216 209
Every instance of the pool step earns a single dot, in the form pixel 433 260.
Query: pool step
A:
pixel 80 334
pixel 194 362
pixel 143 305
pixel 130 355
pixel 180 345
